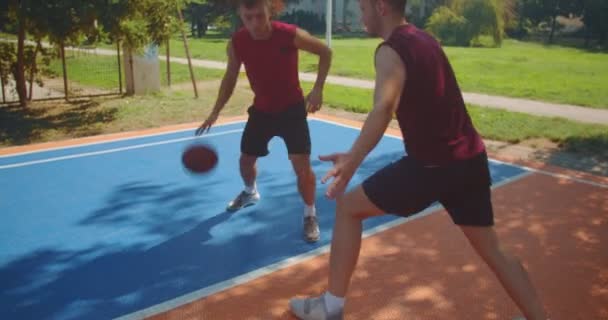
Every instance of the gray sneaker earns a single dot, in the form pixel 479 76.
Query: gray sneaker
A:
pixel 312 309
pixel 244 199
pixel 311 229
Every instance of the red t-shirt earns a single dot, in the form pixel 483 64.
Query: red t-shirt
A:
pixel 271 66
pixel 434 121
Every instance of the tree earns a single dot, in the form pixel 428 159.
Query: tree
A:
pixel 60 20
pixel 532 10
pixel 595 17
pixel 136 24
pixel 484 17
pixel 4 10
pixel 421 10
pixel 450 27
pixel 465 20
pixel 64 22
pixel 560 7
pixel 15 15
pixel 537 11
pixel 203 13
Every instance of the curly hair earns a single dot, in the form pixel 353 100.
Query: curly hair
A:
pixel 276 6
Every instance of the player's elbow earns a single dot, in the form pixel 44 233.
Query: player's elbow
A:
pixel 324 52
pixel 327 53
pixel 385 109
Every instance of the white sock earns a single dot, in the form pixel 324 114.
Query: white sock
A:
pixel 251 189
pixel 334 304
pixel 310 211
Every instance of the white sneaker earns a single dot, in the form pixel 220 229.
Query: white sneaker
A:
pixel 311 229
pixel 244 199
pixel 312 309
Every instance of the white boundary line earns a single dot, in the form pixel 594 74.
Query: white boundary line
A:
pixel 111 140
pixel 94 153
pixel 555 175
pixel 252 275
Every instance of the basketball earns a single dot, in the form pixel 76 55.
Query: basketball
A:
pixel 199 158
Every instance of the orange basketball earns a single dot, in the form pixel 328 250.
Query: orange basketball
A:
pixel 199 158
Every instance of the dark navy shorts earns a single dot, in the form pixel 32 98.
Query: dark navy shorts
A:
pixel 291 125
pixel 407 187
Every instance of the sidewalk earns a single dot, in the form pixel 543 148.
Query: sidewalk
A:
pixel 576 113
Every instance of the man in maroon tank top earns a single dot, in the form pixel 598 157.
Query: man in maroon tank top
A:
pixel 444 161
pixel 269 51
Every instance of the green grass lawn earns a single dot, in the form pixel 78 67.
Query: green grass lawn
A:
pixel 52 121
pixel 102 71
pixel 495 124
pixel 59 120
pixel 517 69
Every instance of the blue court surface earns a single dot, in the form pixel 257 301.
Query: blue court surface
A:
pixel 103 230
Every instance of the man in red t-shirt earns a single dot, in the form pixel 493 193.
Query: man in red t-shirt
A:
pixel 446 162
pixel 269 51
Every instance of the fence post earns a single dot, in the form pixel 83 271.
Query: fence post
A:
pixel 2 85
pixel 119 67
pixel 168 63
pixel 65 72
pixel 181 20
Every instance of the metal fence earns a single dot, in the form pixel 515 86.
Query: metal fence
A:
pixel 90 72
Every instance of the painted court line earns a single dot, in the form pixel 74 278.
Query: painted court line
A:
pixel 112 140
pixel 258 273
pixel 555 175
pixel 95 153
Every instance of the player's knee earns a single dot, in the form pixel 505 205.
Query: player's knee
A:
pixel 305 173
pixel 346 209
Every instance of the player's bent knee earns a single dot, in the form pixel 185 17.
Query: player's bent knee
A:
pixel 304 173
pixel 346 208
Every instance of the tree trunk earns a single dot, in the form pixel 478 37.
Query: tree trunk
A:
pixel 20 72
pixel 34 70
pixel 119 67
pixel 345 23
pixel 181 22
pixel 65 70
pixel 168 63
pixel 333 15
pixel 553 23
pixel 587 37
pixel 130 76
pixel 201 28
pixel 2 86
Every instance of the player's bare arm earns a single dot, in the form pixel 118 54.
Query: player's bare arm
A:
pixel 390 82
pixel 304 41
pixel 226 88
